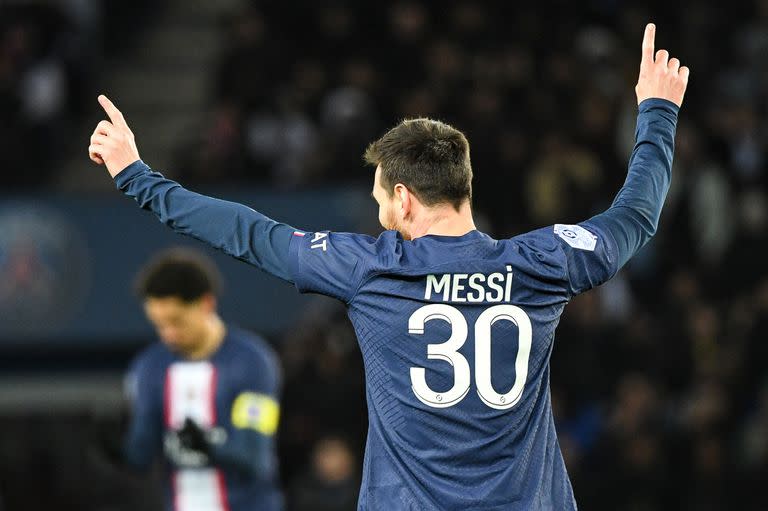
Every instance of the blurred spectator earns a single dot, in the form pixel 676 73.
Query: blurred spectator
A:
pixel 331 484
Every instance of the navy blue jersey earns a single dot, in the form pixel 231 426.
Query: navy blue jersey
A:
pixel 456 332
pixel 233 396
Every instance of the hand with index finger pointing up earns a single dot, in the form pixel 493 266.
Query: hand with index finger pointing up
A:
pixel 660 77
pixel 112 142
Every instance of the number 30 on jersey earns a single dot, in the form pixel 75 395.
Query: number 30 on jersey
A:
pixel 449 352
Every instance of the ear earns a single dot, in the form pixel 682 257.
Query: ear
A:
pixel 208 301
pixel 405 199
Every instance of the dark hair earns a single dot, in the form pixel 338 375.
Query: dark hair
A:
pixel 429 157
pixel 182 273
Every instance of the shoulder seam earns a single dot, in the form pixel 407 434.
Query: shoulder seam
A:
pixel 363 278
pixel 353 294
pixel 559 243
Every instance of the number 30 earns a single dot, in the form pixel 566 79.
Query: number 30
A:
pixel 448 351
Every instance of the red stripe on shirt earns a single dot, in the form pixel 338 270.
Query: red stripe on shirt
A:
pixel 212 395
pixel 222 487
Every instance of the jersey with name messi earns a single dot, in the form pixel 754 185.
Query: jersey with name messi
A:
pixel 456 335
pixel 455 332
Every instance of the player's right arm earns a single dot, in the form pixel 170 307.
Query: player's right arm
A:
pixel 144 438
pixel 233 228
pixel 611 238
pixel 327 263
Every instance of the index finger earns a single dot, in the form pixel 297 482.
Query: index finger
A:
pixel 648 44
pixel 114 114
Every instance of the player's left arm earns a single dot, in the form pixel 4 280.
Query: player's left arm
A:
pixel 251 424
pixel 254 418
pixel 634 215
pixel 598 248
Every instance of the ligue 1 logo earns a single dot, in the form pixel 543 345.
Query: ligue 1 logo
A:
pixel 43 269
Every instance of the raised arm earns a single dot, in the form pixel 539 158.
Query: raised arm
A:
pixel 634 215
pixel 233 228
pixel 597 248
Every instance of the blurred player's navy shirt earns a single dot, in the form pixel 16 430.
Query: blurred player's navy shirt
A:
pixel 233 396
pixel 456 332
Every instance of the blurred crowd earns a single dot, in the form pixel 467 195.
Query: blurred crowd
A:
pixel 659 379
pixel 52 53
pixel 43 57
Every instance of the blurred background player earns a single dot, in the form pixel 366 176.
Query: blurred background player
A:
pixel 205 397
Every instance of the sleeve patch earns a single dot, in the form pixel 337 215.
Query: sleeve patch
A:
pixel 577 236
pixel 256 411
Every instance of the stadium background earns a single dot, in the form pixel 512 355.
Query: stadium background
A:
pixel 659 379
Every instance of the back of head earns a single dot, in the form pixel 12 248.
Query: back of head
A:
pixel 429 157
pixel 179 273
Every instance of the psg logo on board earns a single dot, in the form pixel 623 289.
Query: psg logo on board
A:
pixel 43 269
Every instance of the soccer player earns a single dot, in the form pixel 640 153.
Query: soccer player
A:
pixel 206 396
pixel 455 328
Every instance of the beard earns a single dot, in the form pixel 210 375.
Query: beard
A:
pixel 393 223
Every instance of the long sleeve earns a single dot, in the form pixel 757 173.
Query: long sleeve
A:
pixel 246 451
pixel 633 217
pixel 595 250
pixel 233 228
pixel 143 440
pixel 253 414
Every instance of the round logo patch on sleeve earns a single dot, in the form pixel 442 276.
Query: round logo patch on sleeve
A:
pixel 577 236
